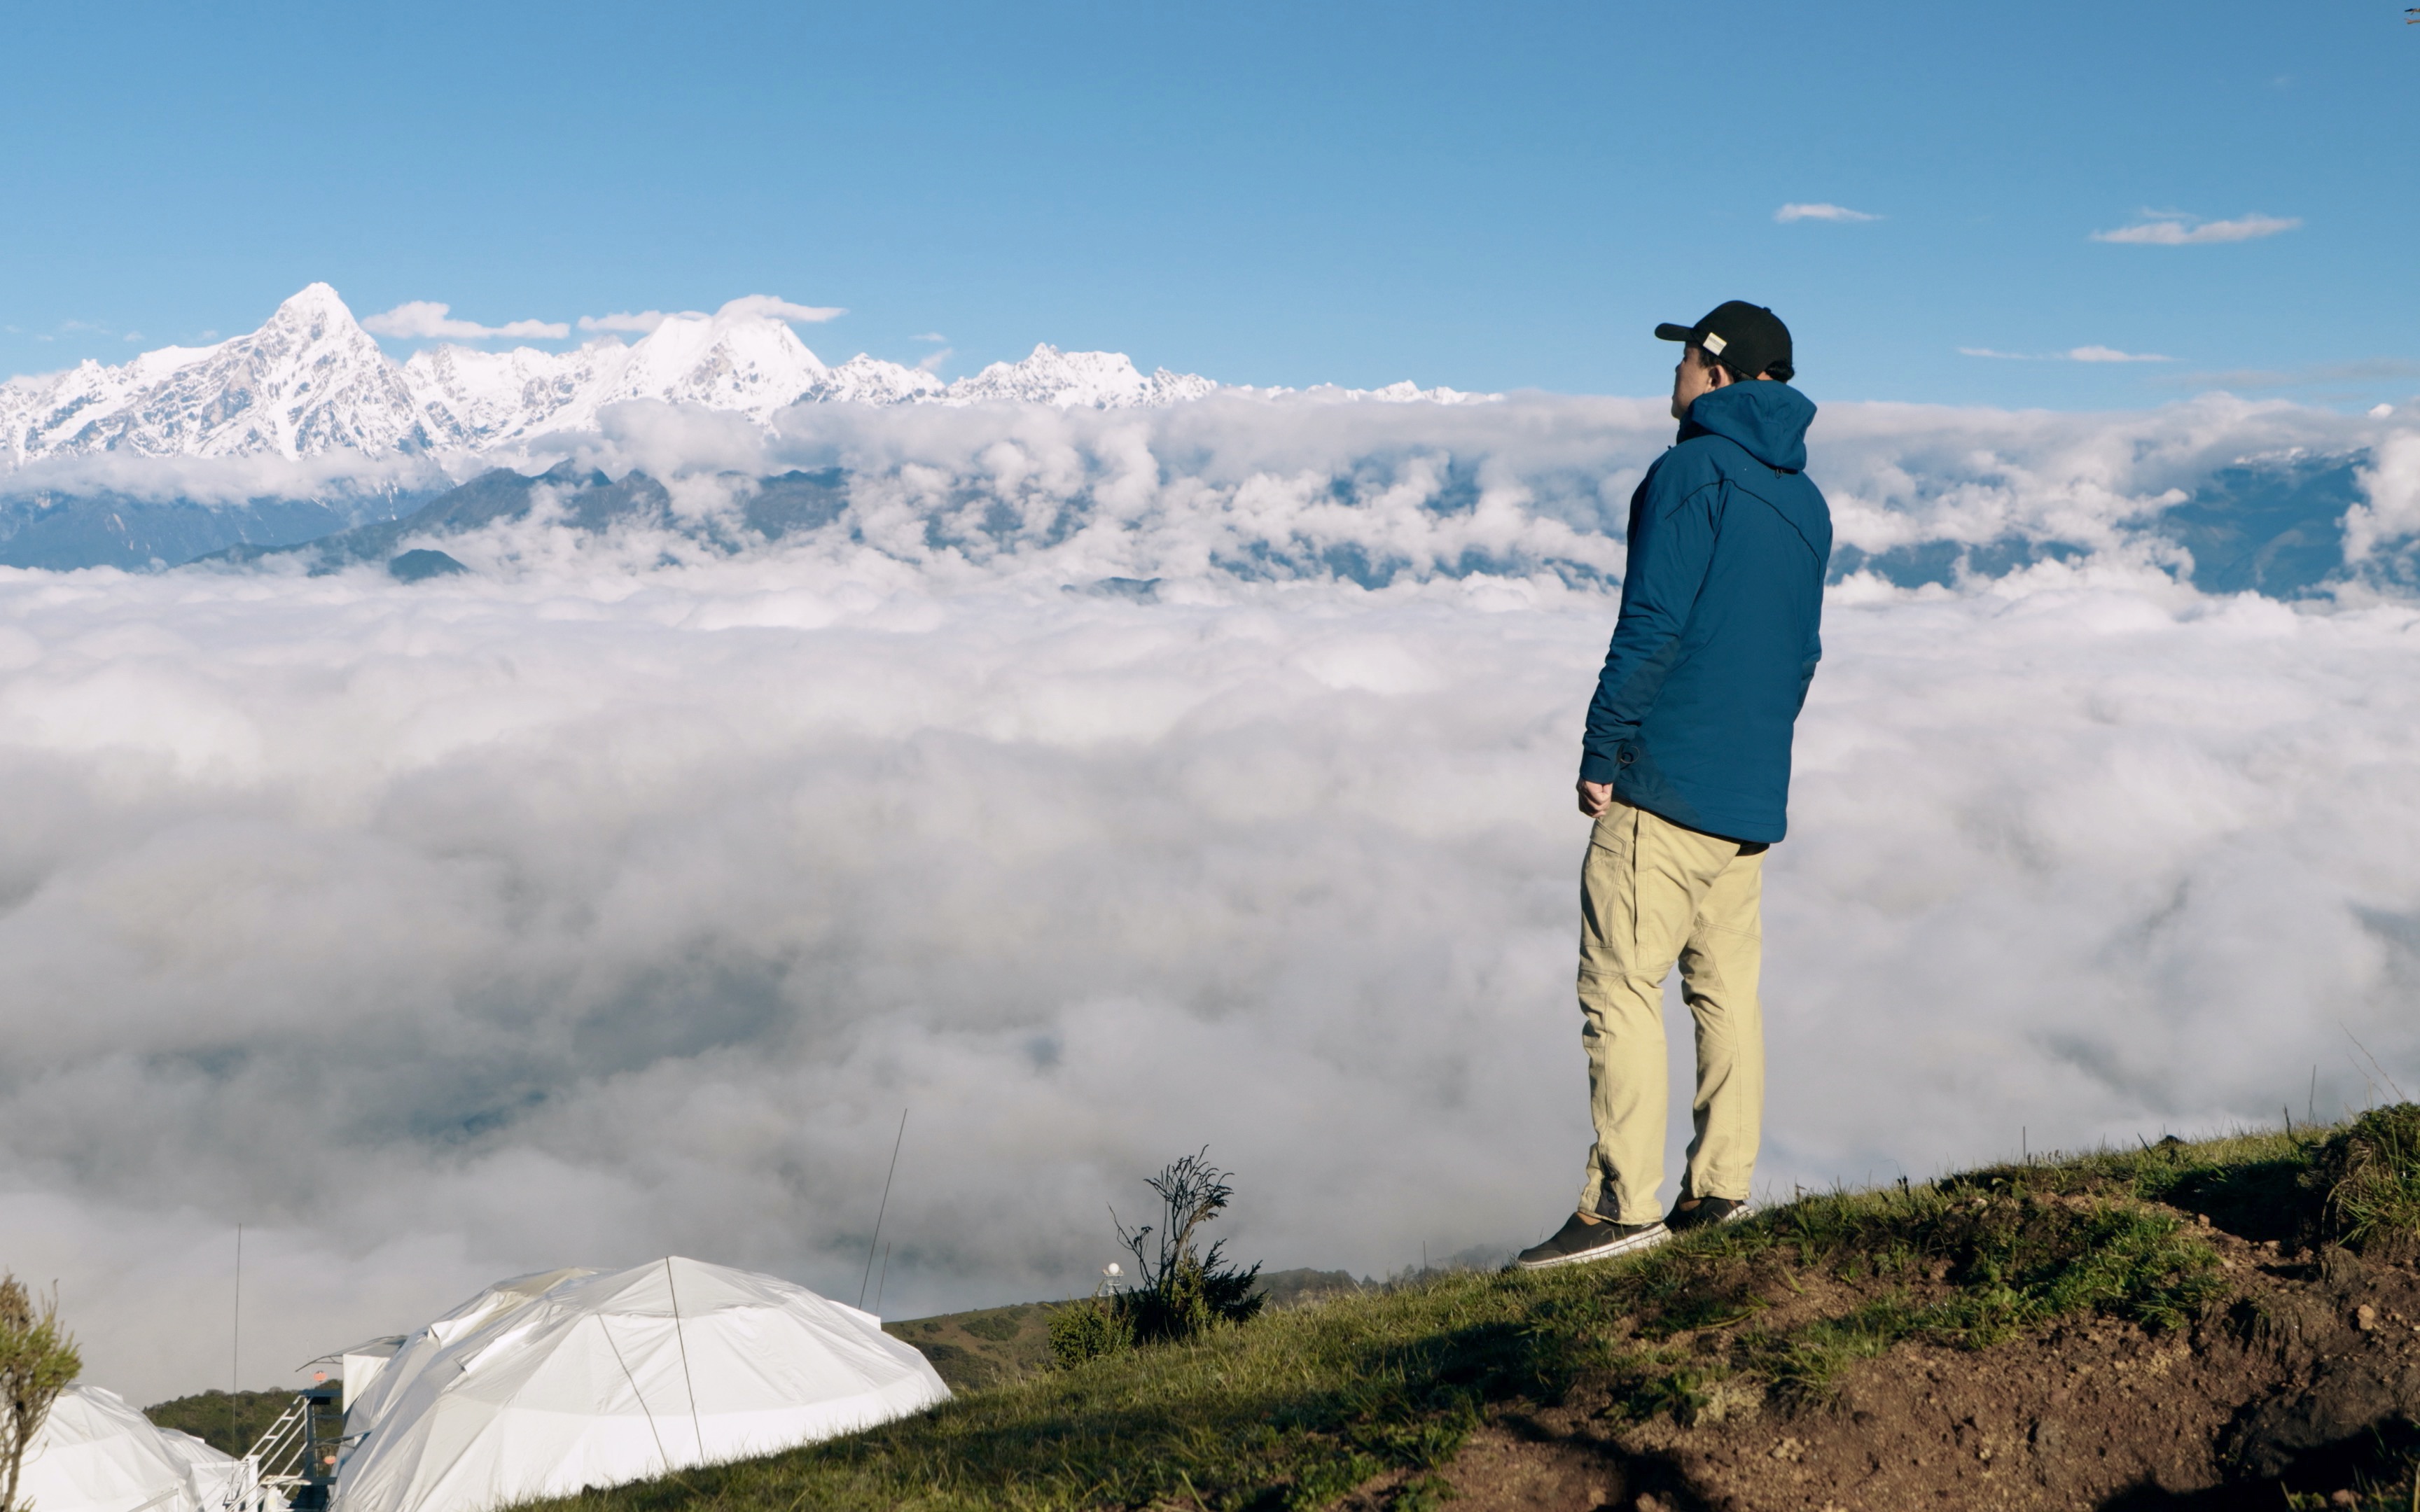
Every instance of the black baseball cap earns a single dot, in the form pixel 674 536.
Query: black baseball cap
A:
pixel 1746 338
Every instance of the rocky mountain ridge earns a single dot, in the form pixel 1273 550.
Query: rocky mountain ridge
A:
pixel 311 381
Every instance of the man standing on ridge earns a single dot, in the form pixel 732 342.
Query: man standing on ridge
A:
pixel 1686 769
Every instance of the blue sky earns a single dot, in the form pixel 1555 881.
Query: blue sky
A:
pixel 1490 197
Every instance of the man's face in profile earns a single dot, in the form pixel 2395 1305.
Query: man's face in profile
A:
pixel 1694 375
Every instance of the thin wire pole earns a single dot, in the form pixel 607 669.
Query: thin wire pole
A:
pixel 864 1280
pixel 882 1279
pixel 697 1431
pixel 235 1346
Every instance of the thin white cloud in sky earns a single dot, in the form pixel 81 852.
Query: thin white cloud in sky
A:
pixel 638 323
pixel 2111 354
pixel 1821 212
pixel 428 321
pixel 928 335
pixel 768 304
pixel 612 900
pixel 2073 354
pixel 2169 229
pixel 641 321
pixel 931 362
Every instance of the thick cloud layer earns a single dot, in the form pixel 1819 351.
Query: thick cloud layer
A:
pixel 614 899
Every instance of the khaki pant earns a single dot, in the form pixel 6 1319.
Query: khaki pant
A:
pixel 1653 892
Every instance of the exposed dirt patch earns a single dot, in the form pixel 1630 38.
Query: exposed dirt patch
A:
pixel 1501 1468
pixel 2310 1372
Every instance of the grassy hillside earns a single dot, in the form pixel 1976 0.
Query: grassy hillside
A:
pixel 2159 1324
pixel 229 1423
pixel 998 1346
pixel 990 1347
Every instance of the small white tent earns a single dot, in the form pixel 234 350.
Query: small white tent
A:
pixel 96 1453
pixel 535 1389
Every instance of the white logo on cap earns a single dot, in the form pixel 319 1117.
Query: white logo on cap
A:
pixel 1715 345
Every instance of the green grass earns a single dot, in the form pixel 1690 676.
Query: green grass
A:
pixel 1952 1263
pixel 1296 1408
pixel 2371 1172
pixel 230 1426
pixel 990 1347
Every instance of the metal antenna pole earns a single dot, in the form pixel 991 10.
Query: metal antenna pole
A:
pixel 864 1280
pixel 235 1344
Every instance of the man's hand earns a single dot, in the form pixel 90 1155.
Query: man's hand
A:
pixel 1594 796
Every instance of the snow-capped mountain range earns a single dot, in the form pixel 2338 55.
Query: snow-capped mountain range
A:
pixel 311 381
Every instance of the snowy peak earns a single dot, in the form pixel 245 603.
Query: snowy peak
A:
pixel 313 306
pixel 864 379
pixel 1098 380
pixel 311 381
pixel 479 399
pixel 731 360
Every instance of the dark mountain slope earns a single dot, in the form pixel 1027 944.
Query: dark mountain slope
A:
pixel 590 501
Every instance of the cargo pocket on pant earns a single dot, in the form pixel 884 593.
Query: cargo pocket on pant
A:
pixel 1608 893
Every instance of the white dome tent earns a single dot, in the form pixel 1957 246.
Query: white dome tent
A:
pixel 96 1453
pixel 540 1386
pixel 375 1378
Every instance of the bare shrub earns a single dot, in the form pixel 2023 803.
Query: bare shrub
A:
pixel 1181 1290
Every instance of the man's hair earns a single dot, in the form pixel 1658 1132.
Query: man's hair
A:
pixel 1782 372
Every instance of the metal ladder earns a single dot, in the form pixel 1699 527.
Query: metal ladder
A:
pixel 282 1460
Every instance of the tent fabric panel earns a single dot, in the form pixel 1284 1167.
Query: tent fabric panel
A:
pixel 420 1351
pixel 96 1453
pixel 760 1355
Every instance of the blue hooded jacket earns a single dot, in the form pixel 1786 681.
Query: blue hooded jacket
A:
pixel 1720 608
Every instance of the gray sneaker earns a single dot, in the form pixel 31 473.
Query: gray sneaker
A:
pixel 1579 1242
pixel 1704 1213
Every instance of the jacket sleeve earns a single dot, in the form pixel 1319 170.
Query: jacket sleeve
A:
pixel 1671 541
pixel 1814 655
pixel 1815 617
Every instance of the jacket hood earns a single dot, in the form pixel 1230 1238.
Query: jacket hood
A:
pixel 1768 420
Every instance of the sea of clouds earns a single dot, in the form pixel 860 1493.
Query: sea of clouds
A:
pixel 1098 787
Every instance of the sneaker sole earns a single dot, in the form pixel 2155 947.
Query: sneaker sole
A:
pixel 1631 1246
